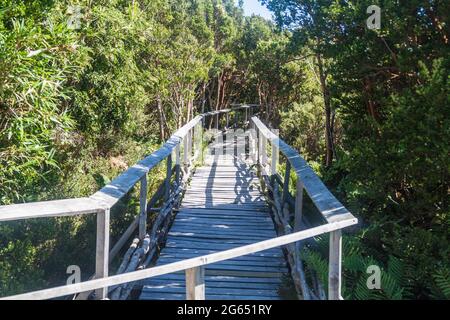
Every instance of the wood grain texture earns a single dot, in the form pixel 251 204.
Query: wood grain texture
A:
pixel 222 209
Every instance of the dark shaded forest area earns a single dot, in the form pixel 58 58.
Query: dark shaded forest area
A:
pixel 368 109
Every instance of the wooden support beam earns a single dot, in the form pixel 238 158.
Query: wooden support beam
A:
pixel 195 283
pixel 334 268
pixel 143 208
pixel 298 206
pixel 177 164
pixel 287 175
pixel 183 265
pixel 102 251
pixel 168 178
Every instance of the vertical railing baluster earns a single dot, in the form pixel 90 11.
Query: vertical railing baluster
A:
pixel 102 251
pixel 274 161
pixel 298 206
pixel 178 164
pixel 195 283
pixel 287 175
pixel 186 152
pixel 200 142
pixel 143 208
pixel 334 268
pixel 168 178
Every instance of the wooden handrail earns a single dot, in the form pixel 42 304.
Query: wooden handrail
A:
pixel 182 265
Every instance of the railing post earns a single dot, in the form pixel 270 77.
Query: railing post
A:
pixel 253 142
pixel 168 177
pixel 274 161
pixel 178 164
pixel 217 122
pixel 194 141
pixel 200 142
pixel 186 152
pixel 102 251
pixel 228 119
pixel 195 283
pixel 334 271
pixel 287 175
pixel 143 208
pixel 298 206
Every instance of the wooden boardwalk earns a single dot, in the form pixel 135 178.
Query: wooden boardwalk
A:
pixel 222 209
pixel 223 225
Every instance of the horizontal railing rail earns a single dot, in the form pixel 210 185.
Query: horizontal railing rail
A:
pixel 183 265
pixel 331 209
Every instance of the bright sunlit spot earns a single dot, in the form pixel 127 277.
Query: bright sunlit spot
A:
pixel 255 7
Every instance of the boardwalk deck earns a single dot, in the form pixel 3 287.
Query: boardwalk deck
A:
pixel 222 209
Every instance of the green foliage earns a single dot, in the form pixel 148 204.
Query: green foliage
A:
pixel 394 278
pixel 78 106
pixel 389 95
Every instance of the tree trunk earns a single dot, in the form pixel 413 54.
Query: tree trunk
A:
pixel 327 104
pixel 162 133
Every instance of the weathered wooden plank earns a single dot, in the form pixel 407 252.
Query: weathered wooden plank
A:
pixel 230 200
pixel 143 207
pixel 225 236
pixel 155 283
pixel 220 278
pixel 334 268
pixel 262 229
pixel 157 289
pixel 174 296
pixel 102 250
pixel 188 205
pixel 202 251
pixel 237 264
pixel 219 218
pixel 185 219
pixel 257 259
pixel 266 230
pixel 224 196
pixel 263 233
pixel 195 283
pixel 56 208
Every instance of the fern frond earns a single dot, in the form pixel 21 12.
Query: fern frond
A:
pixel 442 281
